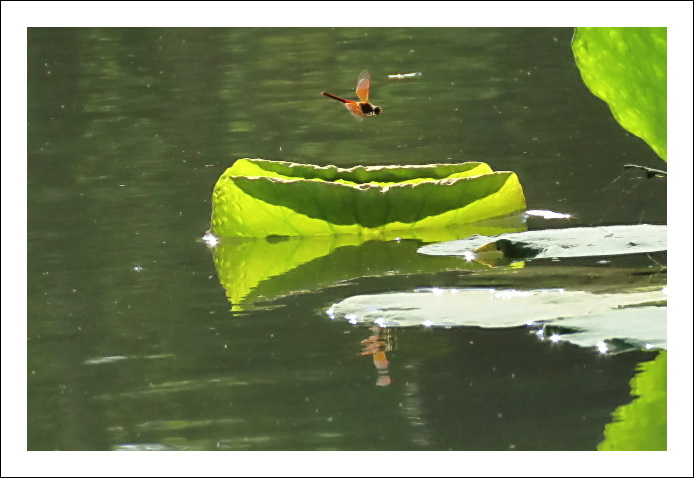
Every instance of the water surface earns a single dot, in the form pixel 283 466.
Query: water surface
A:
pixel 132 343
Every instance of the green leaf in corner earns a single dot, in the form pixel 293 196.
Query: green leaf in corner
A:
pixel 261 198
pixel 627 68
pixel 642 424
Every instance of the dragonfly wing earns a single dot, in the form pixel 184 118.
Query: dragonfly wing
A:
pixel 355 109
pixel 363 84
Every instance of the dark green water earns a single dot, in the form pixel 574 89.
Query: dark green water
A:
pixel 131 341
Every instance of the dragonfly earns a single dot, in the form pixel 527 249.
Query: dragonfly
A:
pixel 361 108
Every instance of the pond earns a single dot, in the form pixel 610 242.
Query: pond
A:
pixel 141 337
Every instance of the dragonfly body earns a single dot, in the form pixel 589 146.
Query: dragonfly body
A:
pixel 362 107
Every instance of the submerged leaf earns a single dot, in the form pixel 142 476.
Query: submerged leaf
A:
pixel 260 198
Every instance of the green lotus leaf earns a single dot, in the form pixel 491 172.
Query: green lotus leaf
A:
pixel 256 269
pixel 261 198
pixel 627 68
pixel 642 424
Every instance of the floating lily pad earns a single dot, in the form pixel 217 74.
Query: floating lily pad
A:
pixel 579 317
pixel 556 243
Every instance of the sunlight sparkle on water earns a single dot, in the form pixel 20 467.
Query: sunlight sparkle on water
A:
pixel 602 347
pixel 402 76
pixel 469 256
pixel 547 214
pixel 210 239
